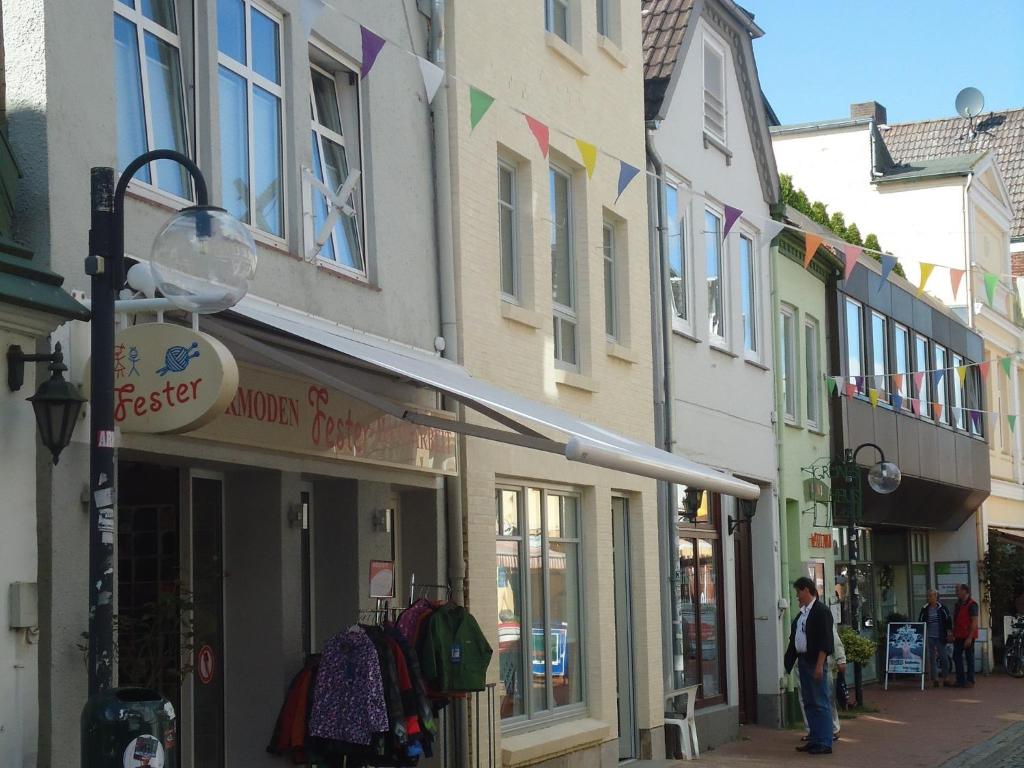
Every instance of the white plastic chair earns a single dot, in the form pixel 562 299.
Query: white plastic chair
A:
pixel 684 722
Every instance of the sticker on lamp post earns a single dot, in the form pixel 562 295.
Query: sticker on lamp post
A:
pixel 168 378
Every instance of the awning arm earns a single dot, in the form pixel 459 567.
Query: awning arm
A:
pixel 540 443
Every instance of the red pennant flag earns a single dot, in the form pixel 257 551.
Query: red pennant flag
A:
pixel 540 132
pixel 983 369
pixel 918 380
pixel 955 276
pixel 915 405
pixel 851 389
pixel 851 252
pixel 811 245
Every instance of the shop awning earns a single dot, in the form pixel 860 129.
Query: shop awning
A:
pixel 583 442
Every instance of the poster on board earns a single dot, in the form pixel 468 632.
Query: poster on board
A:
pixel 904 649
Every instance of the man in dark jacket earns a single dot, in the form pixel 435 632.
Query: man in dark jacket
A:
pixel 939 631
pixel 810 644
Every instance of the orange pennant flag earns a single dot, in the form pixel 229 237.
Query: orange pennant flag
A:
pixel 937 411
pixel 897 382
pixel 811 245
pixel 926 272
pixel 955 276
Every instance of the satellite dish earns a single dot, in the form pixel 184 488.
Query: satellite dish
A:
pixel 970 102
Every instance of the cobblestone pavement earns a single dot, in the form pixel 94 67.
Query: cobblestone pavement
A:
pixel 1005 750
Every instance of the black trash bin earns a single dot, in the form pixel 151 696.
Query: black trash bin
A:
pixel 128 728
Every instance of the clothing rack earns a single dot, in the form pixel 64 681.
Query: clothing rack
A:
pixel 424 587
pixel 381 613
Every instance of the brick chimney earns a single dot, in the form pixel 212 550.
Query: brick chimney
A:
pixel 871 109
pixel 1017 264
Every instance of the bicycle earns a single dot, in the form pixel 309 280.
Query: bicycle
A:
pixel 1013 657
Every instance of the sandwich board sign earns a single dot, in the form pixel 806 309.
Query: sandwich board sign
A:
pixel 905 650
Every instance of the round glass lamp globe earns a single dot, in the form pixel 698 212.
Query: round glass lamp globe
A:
pixel 884 477
pixel 203 260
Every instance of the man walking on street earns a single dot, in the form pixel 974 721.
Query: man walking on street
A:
pixel 965 632
pixel 810 645
pixel 939 626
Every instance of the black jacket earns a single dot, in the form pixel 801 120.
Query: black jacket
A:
pixel 945 620
pixel 819 635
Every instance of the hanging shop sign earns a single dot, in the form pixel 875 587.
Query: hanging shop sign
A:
pixel 294 414
pixel 820 540
pixel 169 378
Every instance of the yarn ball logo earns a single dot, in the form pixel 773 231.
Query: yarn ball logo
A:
pixel 169 378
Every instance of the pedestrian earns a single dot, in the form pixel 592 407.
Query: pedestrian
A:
pixel 836 668
pixel 810 645
pixel 965 632
pixel 938 630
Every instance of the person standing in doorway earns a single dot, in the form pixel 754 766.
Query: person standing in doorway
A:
pixel 965 632
pixel 810 645
pixel 938 628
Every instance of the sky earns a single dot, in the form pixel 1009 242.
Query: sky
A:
pixel 912 56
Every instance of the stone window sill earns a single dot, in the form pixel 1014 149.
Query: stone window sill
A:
pixel 575 380
pixel 613 51
pixel 521 315
pixel 620 352
pixel 533 746
pixel 711 141
pixel 567 52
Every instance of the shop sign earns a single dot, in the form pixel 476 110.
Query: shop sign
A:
pixel 168 378
pixel 950 575
pixel 821 540
pixel 382 578
pixel 282 412
pixel 817 490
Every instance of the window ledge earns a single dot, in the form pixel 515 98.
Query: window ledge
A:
pixel 344 274
pixel 521 315
pixel 757 363
pixel 620 352
pixel 156 197
pixel 718 347
pixel 711 141
pixel 567 52
pixel 793 423
pixel 533 746
pixel 575 380
pixel 686 333
pixel 273 242
pixel 613 51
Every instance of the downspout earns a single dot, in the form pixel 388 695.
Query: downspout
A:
pixel 661 338
pixel 967 251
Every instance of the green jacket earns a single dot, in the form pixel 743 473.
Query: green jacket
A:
pixel 454 654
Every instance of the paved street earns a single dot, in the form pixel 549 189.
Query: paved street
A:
pixel 944 728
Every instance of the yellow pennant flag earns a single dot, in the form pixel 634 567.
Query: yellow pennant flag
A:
pixel 961 371
pixel 926 272
pixel 589 154
pixel 873 394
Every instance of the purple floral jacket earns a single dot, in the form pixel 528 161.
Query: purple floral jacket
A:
pixel 348 700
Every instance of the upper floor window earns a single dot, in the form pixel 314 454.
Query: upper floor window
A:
pixel 812 373
pixel 557 17
pixel 748 288
pixel 250 95
pixel 563 270
pixel 150 95
pixel 941 376
pixel 335 155
pixel 611 314
pixel 714 90
pixel 922 368
pixel 602 17
pixel 678 273
pixel 715 275
pixel 880 355
pixel 854 339
pixel 959 414
pixel 507 231
pixel 974 400
pixel 904 363
pixel 787 358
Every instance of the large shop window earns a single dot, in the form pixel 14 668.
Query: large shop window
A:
pixel 540 648
pixel 563 271
pixel 700 563
pixel 150 94
pixel 334 108
pixel 250 93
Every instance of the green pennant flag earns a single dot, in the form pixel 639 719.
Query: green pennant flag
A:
pixel 479 103
pixel 1007 363
pixel 831 386
pixel 991 281
pixel 1013 422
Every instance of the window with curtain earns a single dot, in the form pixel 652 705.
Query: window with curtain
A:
pixel 251 95
pixel 563 270
pixel 700 564
pixel 540 651
pixel 880 355
pixel 556 18
pixel 507 225
pixel 150 95
pixel 335 155
pixel 855 341
pixel 748 289
pixel 904 364
pixel 959 415
pixel 715 275
pixel 812 373
pixel 678 273
pixel 714 91
pixel 787 356
pixel 611 299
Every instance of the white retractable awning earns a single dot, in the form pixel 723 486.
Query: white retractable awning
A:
pixel 585 443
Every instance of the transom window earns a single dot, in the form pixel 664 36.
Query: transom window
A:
pixel 563 269
pixel 150 94
pixel 250 93
pixel 540 638
pixel 507 231
pixel 714 91
pixel 715 274
pixel 334 158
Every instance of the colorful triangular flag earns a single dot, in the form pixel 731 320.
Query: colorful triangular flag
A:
pixel 926 272
pixel 918 381
pixel 983 369
pixel 731 216
pixel 589 154
pixel 851 389
pixel 860 383
pixel 991 281
pixel 832 385
pixel 771 230
pixel 897 400
pixel 888 264
pixel 811 245
pixel 937 411
pixel 432 75
pixel 873 397
pixel 540 133
pixel 897 382
pixel 961 371
pixel 1012 421
pixel 479 103
pixel 627 173
pixel 937 377
pixel 915 406
pixel 1007 363
pixel 850 253
pixel 372 43
pixel 976 420
pixel 955 276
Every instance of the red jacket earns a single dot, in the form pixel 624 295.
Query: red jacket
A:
pixel 962 620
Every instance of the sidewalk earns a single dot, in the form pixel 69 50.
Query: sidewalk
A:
pixel 912 729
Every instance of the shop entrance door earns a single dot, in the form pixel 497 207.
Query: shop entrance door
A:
pixel 206 496
pixel 623 629
pixel 746 661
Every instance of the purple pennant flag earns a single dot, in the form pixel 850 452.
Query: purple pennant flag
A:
pixel 937 377
pixel 372 43
pixel 731 215
pixel 888 264
pixel 627 173
pixel 976 420
pixel 860 383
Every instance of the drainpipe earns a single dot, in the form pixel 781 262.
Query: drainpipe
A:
pixel 967 251
pixel 661 337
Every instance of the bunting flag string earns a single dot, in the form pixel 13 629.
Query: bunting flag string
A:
pixel 372 45
pixel 850 253
pixel 926 272
pixel 991 281
pixel 811 245
pixel 588 153
pixel 732 215
pixel 540 133
pixel 479 103
pixel 432 75
pixel 955 276
pixel 1006 361
pixel 627 173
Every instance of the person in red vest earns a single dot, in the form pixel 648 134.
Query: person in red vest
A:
pixel 965 632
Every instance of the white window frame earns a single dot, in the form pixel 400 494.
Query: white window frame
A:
pixel 680 322
pixel 862 356
pixel 906 391
pixel 603 17
pixel 549 18
pixel 752 352
pixel 959 419
pixel 812 372
pixel 719 51
pixel 943 387
pixel 560 312
pixel 720 340
pixel 253 78
pixel 321 131
pixel 144 24
pixel 611 266
pixel 788 369
pixel 926 393
pixel 883 390
pixel 513 207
